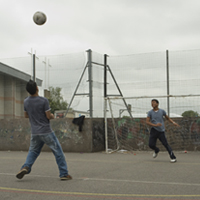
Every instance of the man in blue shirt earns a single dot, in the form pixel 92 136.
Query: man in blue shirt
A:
pixel 155 120
pixel 37 109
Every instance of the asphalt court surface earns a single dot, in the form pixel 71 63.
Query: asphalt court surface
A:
pixel 102 176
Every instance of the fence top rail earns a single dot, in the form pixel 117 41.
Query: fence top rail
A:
pixel 140 97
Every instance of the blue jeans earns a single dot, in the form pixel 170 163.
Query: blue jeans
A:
pixel 37 142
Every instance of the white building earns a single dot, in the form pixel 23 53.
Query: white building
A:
pixel 13 91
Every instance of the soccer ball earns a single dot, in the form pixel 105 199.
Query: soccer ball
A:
pixel 39 18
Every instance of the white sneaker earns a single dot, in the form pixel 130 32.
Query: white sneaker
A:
pixel 155 155
pixel 173 160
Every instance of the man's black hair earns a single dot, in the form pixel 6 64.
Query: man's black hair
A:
pixel 31 87
pixel 155 101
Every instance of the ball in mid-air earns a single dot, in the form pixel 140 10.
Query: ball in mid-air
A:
pixel 39 18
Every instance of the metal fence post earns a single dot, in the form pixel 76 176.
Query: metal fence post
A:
pixel 34 78
pixel 105 103
pixel 90 82
pixel 167 68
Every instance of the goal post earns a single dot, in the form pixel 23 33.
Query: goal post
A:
pixel 125 131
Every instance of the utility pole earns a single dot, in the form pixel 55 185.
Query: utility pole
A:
pixel 48 72
pixel 33 58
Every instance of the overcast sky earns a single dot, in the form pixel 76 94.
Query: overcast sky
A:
pixel 114 27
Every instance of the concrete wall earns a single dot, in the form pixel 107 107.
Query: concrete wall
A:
pixel 15 135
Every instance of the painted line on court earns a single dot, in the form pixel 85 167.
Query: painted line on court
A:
pixel 177 163
pixel 148 182
pixel 113 180
pixel 113 161
pixel 6 189
pixel 40 176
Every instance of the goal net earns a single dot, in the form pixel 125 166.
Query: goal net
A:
pixel 126 127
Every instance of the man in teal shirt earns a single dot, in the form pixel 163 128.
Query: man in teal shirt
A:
pixel 37 109
pixel 155 120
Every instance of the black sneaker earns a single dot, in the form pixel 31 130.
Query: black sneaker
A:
pixel 64 178
pixel 22 172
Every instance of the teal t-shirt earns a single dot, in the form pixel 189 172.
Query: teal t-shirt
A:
pixel 157 117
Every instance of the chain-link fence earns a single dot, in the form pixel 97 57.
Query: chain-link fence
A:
pixel 148 74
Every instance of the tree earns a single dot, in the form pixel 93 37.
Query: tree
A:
pixel 56 100
pixel 190 113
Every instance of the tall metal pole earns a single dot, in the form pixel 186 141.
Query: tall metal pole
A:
pixel 105 75
pixel 167 68
pixel 45 66
pixel 105 102
pixel 48 73
pixel 34 78
pixel 75 90
pixel 31 53
pixel 90 82
pixel 120 91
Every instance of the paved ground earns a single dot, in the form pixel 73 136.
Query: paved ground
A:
pixel 102 176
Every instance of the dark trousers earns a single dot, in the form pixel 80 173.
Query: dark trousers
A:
pixel 154 135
